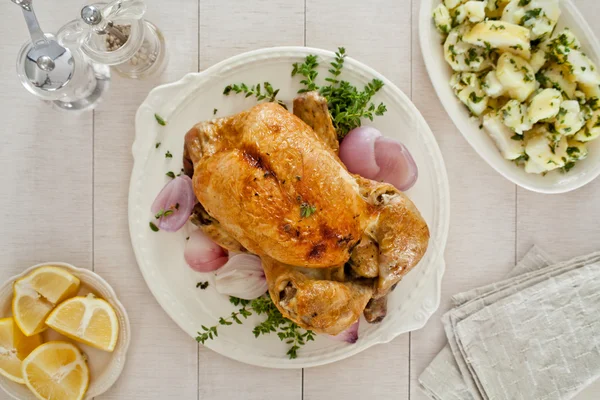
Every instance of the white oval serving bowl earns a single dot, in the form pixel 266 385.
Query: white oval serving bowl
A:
pixel 160 254
pixel 440 73
pixel 105 368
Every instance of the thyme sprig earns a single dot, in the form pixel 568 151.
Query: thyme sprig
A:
pixel 261 92
pixel 347 104
pixel 285 329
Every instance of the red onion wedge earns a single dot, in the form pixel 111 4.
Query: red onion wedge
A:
pixel 243 276
pixel 367 153
pixel 173 205
pixel 350 335
pixel 202 254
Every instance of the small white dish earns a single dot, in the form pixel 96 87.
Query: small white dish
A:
pixel 105 368
pixel 160 254
pixel 440 73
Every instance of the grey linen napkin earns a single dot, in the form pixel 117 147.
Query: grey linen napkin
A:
pixel 532 336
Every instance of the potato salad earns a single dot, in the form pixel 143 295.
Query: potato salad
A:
pixel 532 86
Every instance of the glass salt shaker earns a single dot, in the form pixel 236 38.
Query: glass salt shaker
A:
pixel 116 34
pixel 60 75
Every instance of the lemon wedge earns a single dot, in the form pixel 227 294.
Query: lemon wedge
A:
pixel 56 371
pixel 14 347
pixel 88 320
pixel 36 294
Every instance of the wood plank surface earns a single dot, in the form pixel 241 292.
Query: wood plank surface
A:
pixel 162 361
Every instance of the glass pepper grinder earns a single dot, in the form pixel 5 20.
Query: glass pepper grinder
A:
pixel 116 34
pixel 60 75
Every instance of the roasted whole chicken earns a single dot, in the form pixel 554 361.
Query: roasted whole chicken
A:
pixel 332 244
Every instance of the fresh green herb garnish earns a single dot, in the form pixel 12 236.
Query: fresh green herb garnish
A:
pixel 531 14
pixel 572 150
pixel 306 210
pixel 168 154
pixel 157 145
pixel 568 166
pixel 153 227
pixel 170 174
pixel 523 3
pixel 202 285
pixel 308 70
pixel 215 111
pixel 160 120
pixel 516 136
pixel 347 105
pixel 264 92
pixel 164 213
pixel 473 97
pixel 286 330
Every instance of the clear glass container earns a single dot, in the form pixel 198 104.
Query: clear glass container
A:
pixel 116 34
pixel 83 88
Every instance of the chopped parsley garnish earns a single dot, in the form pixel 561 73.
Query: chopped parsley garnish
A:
pixel 215 111
pixel 170 174
pixel 164 213
pixel 571 151
pixel 568 166
pixel 286 330
pixel 168 154
pixel 516 136
pixel 160 120
pixel 153 227
pixel 473 97
pixel 202 285
pixel 523 3
pixel 531 14
pixel 157 145
pixel 306 210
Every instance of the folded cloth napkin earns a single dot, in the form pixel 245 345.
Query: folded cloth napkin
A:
pixel 533 336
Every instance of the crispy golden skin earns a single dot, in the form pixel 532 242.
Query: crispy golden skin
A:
pixel 258 171
pixel 271 185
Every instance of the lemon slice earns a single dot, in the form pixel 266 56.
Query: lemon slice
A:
pixel 89 320
pixel 14 347
pixel 36 294
pixel 56 371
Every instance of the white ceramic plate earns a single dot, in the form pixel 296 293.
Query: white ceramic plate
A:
pixel 105 368
pixel 160 254
pixel 440 72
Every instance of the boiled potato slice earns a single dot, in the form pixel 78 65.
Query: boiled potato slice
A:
pixel 450 4
pixel 467 87
pixel 475 10
pixel 558 77
pixel 516 75
pixel 590 91
pixel 540 16
pixel 492 86
pixel 463 56
pixel 501 35
pixel 510 144
pixel 591 130
pixel 538 60
pixel 544 105
pixel 546 152
pixel 569 119
pixel 514 116
pixel 441 19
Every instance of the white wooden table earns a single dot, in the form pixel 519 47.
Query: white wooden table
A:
pixel 64 186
